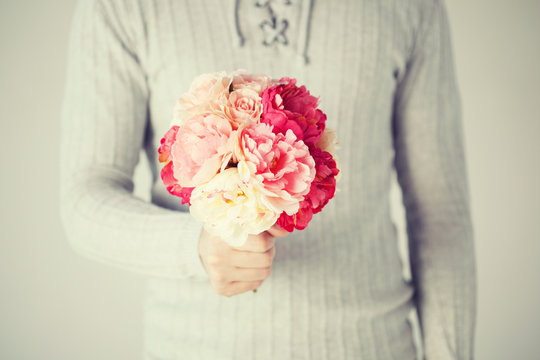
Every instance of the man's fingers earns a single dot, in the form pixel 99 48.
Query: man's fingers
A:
pixel 239 287
pixel 242 274
pixel 277 231
pixel 258 243
pixel 247 259
pixel 233 271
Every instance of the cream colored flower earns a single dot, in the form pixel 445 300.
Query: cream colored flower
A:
pixel 256 82
pixel 231 208
pixel 206 93
pixel 327 142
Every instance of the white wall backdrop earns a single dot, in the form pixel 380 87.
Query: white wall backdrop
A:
pixel 498 58
pixel 55 305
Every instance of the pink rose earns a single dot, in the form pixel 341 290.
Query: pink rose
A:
pixel 170 182
pixel 244 108
pixel 206 93
pixel 280 164
pixel 289 107
pixel 255 82
pixel 321 191
pixel 203 146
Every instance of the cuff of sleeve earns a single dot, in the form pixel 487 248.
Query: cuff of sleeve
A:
pixel 189 261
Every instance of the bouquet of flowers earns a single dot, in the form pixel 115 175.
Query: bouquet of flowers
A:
pixel 247 152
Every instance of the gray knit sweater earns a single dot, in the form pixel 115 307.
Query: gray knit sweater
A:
pixel 384 73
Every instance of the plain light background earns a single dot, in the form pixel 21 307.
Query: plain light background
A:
pixel 56 305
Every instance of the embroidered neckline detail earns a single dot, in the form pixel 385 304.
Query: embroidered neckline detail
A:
pixel 275 27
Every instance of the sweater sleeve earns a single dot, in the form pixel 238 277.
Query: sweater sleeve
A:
pixel 104 117
pixel 431 169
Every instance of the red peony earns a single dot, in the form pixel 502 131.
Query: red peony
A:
pixel 323 188
pixel 299 220
pixel 287 106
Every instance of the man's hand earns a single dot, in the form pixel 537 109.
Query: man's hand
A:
pixel 235 270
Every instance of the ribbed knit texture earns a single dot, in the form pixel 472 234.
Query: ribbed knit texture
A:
pixel 384 74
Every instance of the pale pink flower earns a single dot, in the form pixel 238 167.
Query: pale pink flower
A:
pixel 204 145
pixel 321 191
pixel 279 164
pixel 255 82
pixel 244 108
pixel 170 182
pixel 206 93
pixel 166 142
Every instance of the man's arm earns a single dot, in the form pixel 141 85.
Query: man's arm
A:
pixel 103 126
pixel 431 168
